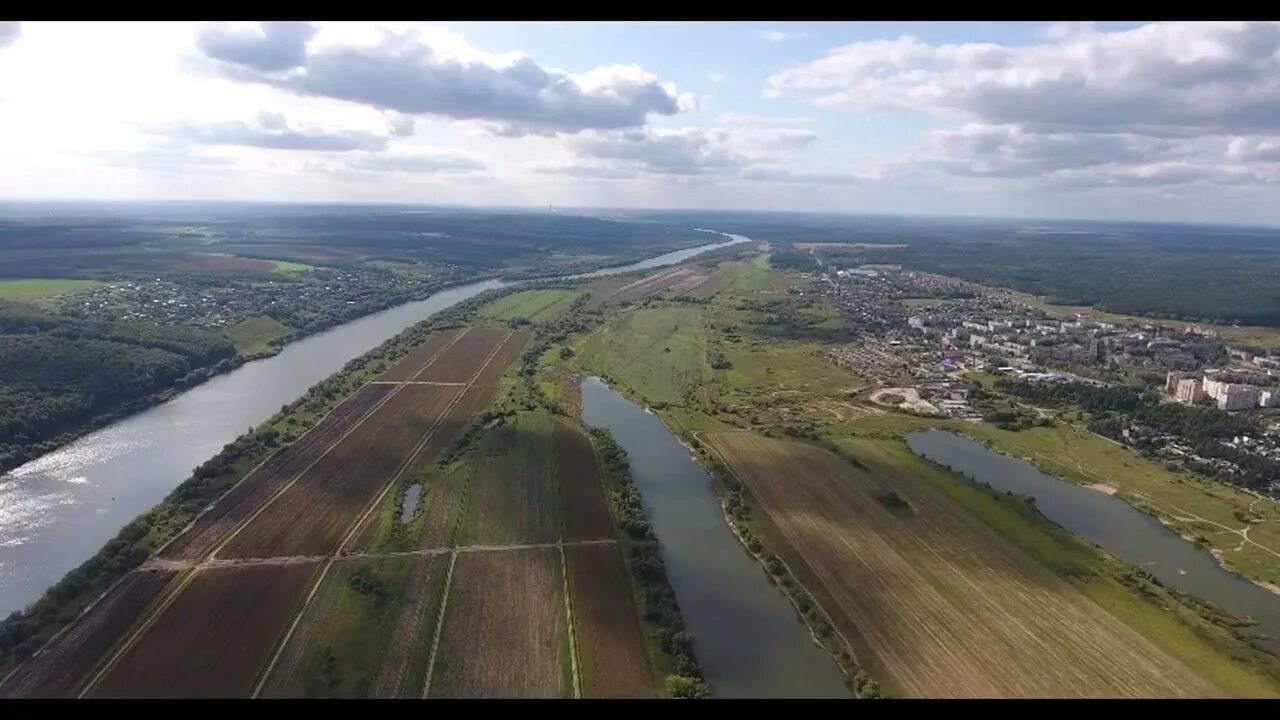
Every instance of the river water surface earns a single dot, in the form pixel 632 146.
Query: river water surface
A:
pixel 1131 535
pixel 747 637
pixel 59 509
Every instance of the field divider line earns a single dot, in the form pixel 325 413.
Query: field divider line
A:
pixel 573 628
pixel 413 382
pixel 186 528
pixel 356 425
pixel 435 639
pixel 408 462
pixel 145 624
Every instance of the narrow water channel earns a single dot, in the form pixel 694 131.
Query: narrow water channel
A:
pixel 748 638
pixel 59 509
pixel 1131 535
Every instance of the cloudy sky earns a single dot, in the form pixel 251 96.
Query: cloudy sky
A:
pixel 1159 121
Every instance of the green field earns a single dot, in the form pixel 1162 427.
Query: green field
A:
pixel 658 353
pixel 1191 506
pixel 284 266
pixel 253 336
pixel 532 305
pixel 513 495
pixel 43 287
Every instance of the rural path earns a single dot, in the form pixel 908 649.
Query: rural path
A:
pixel 220 563
pixel 181 584
pixel 354 529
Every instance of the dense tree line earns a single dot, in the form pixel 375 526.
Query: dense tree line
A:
pixel 643 555
pixel 63 374
pixel 1203 429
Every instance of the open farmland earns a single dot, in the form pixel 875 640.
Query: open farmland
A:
pixel 212 526
pixel 586 517
pixel 659 352
pixel 513 496
pixel 611 642
pixel 936 602
pixel 58 669
pixel 505 632
pixel 464 356
pixel 532 305
pixel 679 280
pixel 366 633
pixel 211 640
pixel 421 356
pixel 312 516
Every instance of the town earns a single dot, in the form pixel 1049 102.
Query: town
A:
pixel 940 346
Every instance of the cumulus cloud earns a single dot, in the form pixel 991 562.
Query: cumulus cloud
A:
pixel 692 151
pixel 1174 78
pixel 10 31
pixel 1148 106
pixel 267 46
pixel 401 125
pixel 417 162
pixel 410 73
pixel 270 131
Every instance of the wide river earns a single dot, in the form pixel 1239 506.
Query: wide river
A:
pixel 1131 535
pixel 59 509
pixel 749 640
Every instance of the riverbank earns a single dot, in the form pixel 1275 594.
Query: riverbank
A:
pixel 1204 637
pixel 157 521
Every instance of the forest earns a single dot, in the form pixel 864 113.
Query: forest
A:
pixel 1202 273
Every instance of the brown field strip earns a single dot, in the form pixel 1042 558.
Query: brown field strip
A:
pixel 460 361
pixel 312 516
pixel 212 526
pixel 611 643
pixel 946 606
pixel 213 638
pixel 440 516
pixel 58 670
pixel 586 516
pixel 441 509
pixel 369 640
pixel 418 357
pixel 505 631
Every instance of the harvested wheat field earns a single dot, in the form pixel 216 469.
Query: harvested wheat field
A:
pixel 214 637
pixel 586 516
pixel 313 516
pixel 220 519
pixel 421 356
pixel 505 632
pixel 615 661
pixel 464 357
pixel 947 607
pixel 58 670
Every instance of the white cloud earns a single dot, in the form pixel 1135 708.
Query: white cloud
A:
pixel 269 131
pixel 777 36
pixel 10 31
pixel 432 161
pixel 416 72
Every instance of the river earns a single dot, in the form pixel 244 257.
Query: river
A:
pixel 748 639
pixel 1131 535
pixel 59 509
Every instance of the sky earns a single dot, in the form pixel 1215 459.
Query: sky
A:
pixel 1162 122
